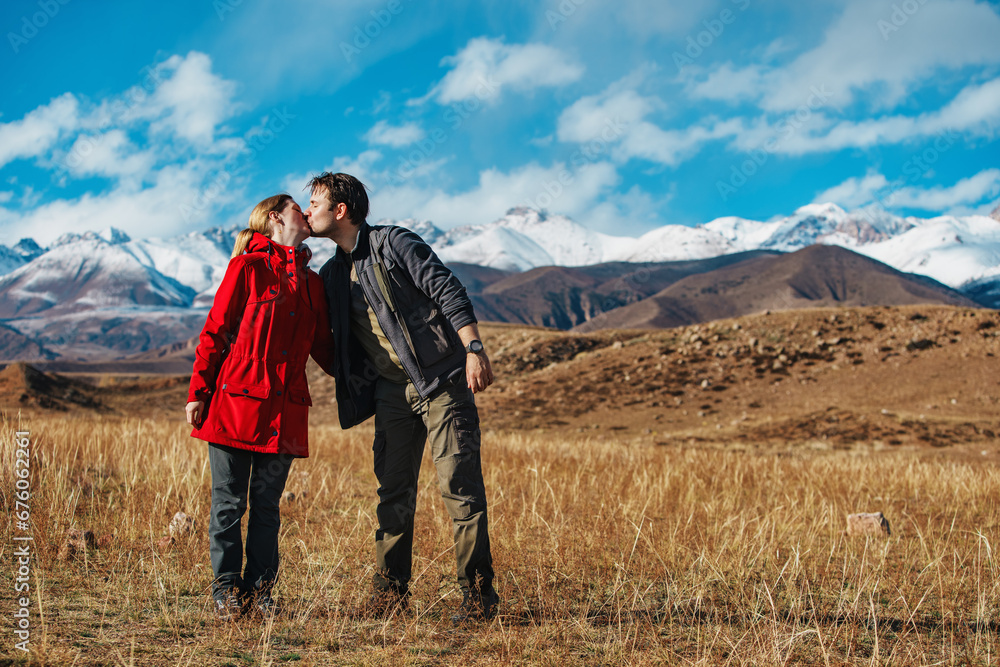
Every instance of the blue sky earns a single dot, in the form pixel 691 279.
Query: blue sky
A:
pixel 162 118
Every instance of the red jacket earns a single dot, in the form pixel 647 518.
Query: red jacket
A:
pixel 268 316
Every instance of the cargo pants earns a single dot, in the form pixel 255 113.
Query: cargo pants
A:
pixel 449 421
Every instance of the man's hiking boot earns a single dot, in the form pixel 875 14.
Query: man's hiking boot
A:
pixel 228 606
pixel 383 603
pixel 266 606
pixel 477 607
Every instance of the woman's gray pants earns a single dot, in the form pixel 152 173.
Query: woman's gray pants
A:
pixel 241 478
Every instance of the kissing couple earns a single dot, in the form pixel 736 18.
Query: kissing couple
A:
pixel 397 331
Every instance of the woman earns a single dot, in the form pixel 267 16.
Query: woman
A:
pixel 249 398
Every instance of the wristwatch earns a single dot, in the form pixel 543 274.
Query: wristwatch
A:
pixel 474 347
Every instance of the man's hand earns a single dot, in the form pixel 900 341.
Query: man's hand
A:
pixel 478 371
pixel 195 411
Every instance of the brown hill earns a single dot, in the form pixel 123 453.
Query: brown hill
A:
pixel 813 277
pixel 830 378
pixel 24 386
pixel 477 278
pixel 15 345
pixel 563 297
pixel 173 359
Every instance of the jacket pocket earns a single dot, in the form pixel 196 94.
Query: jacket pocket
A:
pixel 241 411
pixel 429 330
pixel 299 397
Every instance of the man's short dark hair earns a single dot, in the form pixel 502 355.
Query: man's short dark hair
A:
pixel 343 189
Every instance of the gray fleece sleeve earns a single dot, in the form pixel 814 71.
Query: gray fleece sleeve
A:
pixel 432 277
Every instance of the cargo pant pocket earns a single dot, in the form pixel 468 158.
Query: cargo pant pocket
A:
pixel 466 424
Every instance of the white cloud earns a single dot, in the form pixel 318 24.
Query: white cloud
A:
pixel 974 111
pixel 39 130
pixel 364 167
pixel 966 192
pixel 728 83
pixel 859 55
pixel 110 154
pixel 192 102
pixel 586 194
pixel 614 121
pixel 486 66
pixel 183 99
pixel 174 203
pixel 560 188
pixel 854 192
pixel 959 198
pixel 163 148
pixel 591 116
pixel 383 134
pixel 670 147
pixel 628 214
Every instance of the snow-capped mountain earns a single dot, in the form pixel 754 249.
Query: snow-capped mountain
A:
pixel 18 255
pixel 497 247
pixel 523 239
pixel 953 250
pixel 84 272
pixel 676 242
pixel 112 277
pixel 815 223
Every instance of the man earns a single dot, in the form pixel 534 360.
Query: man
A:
pixel 408 351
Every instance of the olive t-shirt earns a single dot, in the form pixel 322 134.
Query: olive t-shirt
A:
pixel 364 325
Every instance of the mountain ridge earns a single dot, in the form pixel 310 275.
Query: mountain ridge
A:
pixel 103 293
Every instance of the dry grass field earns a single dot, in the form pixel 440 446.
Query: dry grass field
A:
pixel 676 524
pixel 606 554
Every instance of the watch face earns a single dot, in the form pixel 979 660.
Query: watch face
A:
pixel 475 346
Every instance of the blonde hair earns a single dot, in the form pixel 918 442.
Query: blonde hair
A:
pixel 259 221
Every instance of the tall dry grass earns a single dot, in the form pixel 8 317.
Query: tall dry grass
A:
pixel 606 553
